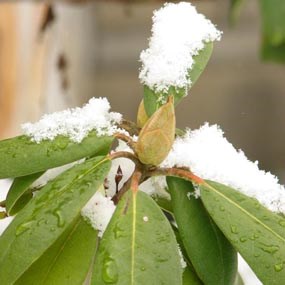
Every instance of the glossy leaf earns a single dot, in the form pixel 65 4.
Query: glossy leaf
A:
pixel 273 29
pixel 157 136
pixel 212 256
pixel 138 246
pixel 190 277
pixel 19 194
pixel 67 261
pixel 20 156
pixel 154 100
pixel 47 217
pixel 257 233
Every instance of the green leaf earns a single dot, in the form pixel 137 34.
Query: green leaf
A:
pixel 67 261
pixel 257 233
pixel 47 216
pixel 273 26
pixel 138 246
pixel 190 277
pixel 235 10
pixel 212 256
pixel 19 194
pixel 20 156
pixel 154 100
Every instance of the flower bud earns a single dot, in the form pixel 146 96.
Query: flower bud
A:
pixel 157 136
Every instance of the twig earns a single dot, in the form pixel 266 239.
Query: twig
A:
pixel 126 154
pixel 178 172
pixel 126 139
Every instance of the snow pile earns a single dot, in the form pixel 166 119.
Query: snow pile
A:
pixel 210 156
pixel 99 211
pixel 179 32
pixel 75 123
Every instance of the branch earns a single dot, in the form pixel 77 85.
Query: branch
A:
pixel 177 172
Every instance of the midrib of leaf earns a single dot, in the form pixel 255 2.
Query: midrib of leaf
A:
pixel 246 212
pixel 61 249
pixel 133 239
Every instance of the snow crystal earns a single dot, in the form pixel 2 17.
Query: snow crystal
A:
pixel 75 123
pixel 179 32
pixel 210 156
pixel 98 211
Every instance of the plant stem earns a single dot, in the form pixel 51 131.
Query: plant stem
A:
pixel 126 139
pixel 125 154
pixel 178 172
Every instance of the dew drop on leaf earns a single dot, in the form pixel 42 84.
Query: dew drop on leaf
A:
pixel 24 227
pixel 278 267
pixel 243 239
pixel 269 248
pixel 118 232
pixel 110 271
pixel 60 219
pixel 234 229
pixel 282 223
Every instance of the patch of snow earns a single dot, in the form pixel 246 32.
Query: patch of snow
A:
pixel 210 156
pixel 98 211
pixel 75 123
pixel 246 273
pixel 179 32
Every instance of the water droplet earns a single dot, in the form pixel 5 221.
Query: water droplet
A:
pixel 142 268
pixel 243 239
pixel 282 223
pixel 216 199
pixel 234 229
pixel 256 255
pixel 41 221
pixel 222 208
pixel 110 271
pixel 118 232
pixel 24 227
pixel 60 219
pixel 269 248
pixel 278 267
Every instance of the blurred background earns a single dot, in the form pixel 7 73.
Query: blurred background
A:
pixel 59 54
